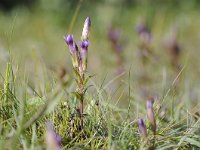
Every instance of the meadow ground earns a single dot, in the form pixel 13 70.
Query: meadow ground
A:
pixel 135 55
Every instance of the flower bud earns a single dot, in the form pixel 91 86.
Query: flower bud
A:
pixel 71 44
pixel 53 140
pixel 151 115
pixel 73 48
pixel 83 54
pixel 86 29
pixel 142 128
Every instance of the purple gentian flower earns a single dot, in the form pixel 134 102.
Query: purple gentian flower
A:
pixel 149 104
pixel 84 45
pixel 71 44
pixel 84 49
pixel 83 54
pixel 142 127
pixel 141 28
pixel 73 48
pixel 151 115
pixel 144 33
pixel 68 39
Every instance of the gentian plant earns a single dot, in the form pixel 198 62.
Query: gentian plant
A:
pixel 79 62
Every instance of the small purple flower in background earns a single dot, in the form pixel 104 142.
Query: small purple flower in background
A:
pixel 114 37
pixel 174 48
pixel 145 47
pixel 86 29
pixel 151 115
pixel 53 140
pixel 141 28
pixel 144 33
pixel 142 128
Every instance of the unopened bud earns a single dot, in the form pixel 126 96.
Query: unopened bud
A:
pixel 83 54
pixel 86 29
pixel 151 115
pixel 73 48
pixel 142 128
pixel 71 44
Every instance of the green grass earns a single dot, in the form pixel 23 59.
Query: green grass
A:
pixel 33 55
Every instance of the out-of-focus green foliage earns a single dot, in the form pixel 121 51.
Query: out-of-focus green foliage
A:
pixel 7 5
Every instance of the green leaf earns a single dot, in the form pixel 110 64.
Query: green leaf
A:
pixel 87 79
pixel 77 95
pixel 192 141
pixel 36 101
pixel 87 88
pixel 77 73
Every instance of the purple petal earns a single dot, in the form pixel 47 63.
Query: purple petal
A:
pixel 141 123
pixel 69 39
pixel 142 127
pixel 84 45
pixel 149 104
pixel 52 132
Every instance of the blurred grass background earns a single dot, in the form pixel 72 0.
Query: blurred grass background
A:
pixel 34 31
pixel 31 38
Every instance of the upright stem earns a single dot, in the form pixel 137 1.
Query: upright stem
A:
pixel 81 111
pixel 81 93
pixel 119 63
